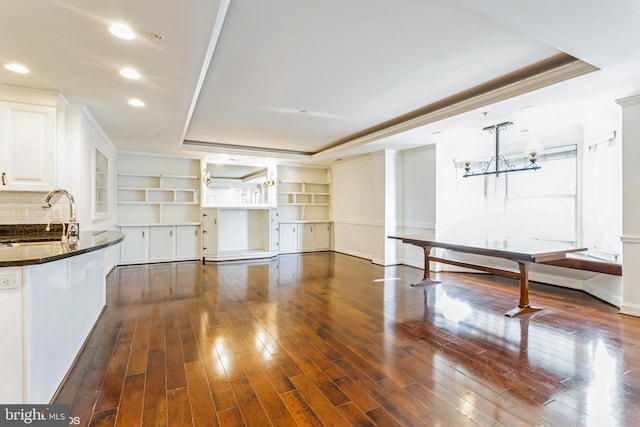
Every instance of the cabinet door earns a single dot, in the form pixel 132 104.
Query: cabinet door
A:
pixel 187 242
pixel 322 237
pixel 273 235
pixel 209 232
pixel 135 247
pixel 162 243
pixel 288 237
pixel 28 144
pixel 305 237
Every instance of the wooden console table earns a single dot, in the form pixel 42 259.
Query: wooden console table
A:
pixel 523 252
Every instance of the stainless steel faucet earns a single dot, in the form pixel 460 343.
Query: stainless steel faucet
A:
pixel 73 230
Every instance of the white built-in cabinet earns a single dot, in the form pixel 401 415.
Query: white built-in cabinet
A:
pixel 29 147
pixel 134 248
pixel 159 243
pixel 238 233
pixel 304 236
pixel 304 209
pixel 187 242
pixel 158 208
pixel 162 243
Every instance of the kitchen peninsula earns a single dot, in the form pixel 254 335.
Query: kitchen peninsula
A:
pixel 51 295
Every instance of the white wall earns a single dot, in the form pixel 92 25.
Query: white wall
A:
pixel 358 193
pixel 417 200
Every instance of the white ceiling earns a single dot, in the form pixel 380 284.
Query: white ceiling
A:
pixel 310 80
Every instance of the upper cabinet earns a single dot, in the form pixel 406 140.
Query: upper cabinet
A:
pixel 28 143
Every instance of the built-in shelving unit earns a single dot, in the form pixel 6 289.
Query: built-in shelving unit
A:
pixel 158 191
pixel 304 200
pixel 158 203
pixel 304 209
pixel 158 198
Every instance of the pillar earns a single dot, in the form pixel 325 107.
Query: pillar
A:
pixel 630 205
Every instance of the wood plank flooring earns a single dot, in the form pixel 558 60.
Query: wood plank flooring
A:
pixel 329 339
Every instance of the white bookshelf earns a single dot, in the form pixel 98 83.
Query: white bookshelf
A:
pixel 156 191
pixel 304 200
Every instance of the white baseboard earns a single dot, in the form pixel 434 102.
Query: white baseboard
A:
pixel 630 309
pixel 353 253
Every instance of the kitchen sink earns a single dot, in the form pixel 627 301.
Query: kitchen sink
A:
pixel 26 243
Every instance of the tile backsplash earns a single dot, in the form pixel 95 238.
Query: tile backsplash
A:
pixel 24 208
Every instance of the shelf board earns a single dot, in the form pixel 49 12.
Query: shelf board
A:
pixel 145 175
pixel 304 204
pixel 164 175
pixel 157 175
pixel 157 203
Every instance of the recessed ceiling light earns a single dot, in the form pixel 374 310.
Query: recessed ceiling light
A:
pixel 17 68
pixel 130 73
pixel 122 31
pixel 136 103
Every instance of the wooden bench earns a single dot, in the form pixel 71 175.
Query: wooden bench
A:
pixel 579 261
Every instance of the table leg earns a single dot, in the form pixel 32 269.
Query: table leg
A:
pixel 523 306
pixel 426 277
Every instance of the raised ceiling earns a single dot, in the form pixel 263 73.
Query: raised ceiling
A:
pixel 311 80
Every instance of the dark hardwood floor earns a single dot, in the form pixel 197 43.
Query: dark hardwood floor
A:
pixel 329 339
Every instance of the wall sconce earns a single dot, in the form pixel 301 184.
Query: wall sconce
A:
pixel 206 177
pixel 268 182
pixel 499 164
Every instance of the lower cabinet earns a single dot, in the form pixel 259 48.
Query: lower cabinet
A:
pixel 304 236
pixel 187 238
pixel 162 244
pixel 134 248
pixel 144 244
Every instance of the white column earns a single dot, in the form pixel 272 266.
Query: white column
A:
pixel 630 205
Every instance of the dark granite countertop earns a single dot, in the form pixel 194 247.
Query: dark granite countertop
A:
pixel 12 253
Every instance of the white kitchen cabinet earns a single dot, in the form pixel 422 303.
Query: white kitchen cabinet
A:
pixel 322 236
pixel 162 243
pixel 288 237
pixel 273 220
pixel 135 246
pixel 209 232
pixel 187 238
pixel 144 244
pixel 28 143
pixel 304 236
